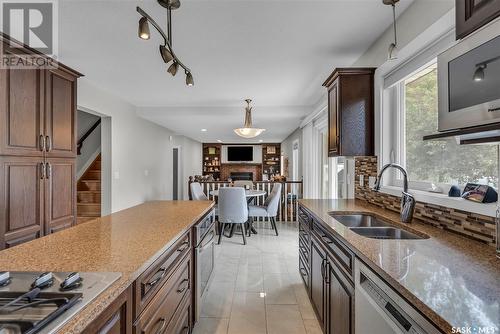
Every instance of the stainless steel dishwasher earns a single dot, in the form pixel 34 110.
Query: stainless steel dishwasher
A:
pixel 380 310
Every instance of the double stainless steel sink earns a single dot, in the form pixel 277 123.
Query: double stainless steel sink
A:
pixel 371 227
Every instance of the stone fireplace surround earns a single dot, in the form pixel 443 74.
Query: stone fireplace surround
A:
pixel 255 169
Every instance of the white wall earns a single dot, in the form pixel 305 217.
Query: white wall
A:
pixel 191 159
pixel 410 24
pixel 140 155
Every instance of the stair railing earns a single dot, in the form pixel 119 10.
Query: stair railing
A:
pixel 79 144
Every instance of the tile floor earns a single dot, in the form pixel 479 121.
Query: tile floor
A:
pixel 257 288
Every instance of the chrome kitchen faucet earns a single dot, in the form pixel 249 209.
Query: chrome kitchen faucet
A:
pixel 407 200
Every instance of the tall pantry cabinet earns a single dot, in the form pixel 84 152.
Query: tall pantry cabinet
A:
pixel 37 149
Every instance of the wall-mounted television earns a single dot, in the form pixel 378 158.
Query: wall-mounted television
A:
pixel 239 153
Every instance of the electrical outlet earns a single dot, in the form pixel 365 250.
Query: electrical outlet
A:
pixel 117 175
pixel 371 181
pixel 362 180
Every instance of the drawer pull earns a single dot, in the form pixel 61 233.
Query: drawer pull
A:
pixel 162 271
pixel 303 272
pixel 182 289
pixel 163 323
pixel 182 249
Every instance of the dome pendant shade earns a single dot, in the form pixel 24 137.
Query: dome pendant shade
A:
pixel 247 131
pixel 143 28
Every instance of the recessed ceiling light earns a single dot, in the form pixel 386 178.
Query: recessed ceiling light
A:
pixel 219 141
pixel 204 130
pixel 260 140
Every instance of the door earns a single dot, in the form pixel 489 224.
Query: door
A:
pixel 60 114
pixel 21 200
pixel 318 260
pixel 340 301
pixel 333 120
pixel 60 194
pixel 473 14
pixel 21 112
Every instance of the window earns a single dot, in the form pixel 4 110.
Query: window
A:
pixel 439 162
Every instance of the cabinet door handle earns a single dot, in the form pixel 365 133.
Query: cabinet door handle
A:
pixel 303 272
pixel 48 170
pixel 162 271
pixel 163 323
pixel 42 170
pixel 42 143
pixel 183 288
pixel 182 249
pixel 323 268
pixel 327 272
pixel 48 144
pixel 184 330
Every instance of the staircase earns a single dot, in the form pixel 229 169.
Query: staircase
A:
pixel 88 204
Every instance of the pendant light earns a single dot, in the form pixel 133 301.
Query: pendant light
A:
pixel 247 131
pixel 393 47
pixel 166 51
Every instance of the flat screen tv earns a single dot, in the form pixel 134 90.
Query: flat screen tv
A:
pixel 240 153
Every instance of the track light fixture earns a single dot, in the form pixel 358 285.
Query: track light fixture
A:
pixel 393 47
pixel 143 28
pixel 166 51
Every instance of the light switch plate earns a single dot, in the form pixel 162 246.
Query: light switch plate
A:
pixel 117 175
pixel 146 172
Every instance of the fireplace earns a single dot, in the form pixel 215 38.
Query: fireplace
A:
pixel 238 176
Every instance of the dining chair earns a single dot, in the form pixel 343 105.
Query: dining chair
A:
pixel 269 209
pixel 243 184
pixel 233 209
pixel 197 194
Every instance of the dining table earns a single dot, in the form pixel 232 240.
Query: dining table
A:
pixel 250 195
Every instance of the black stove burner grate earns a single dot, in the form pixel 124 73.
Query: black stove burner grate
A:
pixel 29 316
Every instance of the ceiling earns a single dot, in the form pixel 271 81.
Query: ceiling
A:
pixel 276 52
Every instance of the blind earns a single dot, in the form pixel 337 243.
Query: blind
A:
pixel 418 61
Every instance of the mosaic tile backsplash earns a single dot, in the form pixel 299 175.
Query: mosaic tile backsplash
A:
pixel 468 224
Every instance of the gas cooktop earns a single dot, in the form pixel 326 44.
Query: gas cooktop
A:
pixel 36 302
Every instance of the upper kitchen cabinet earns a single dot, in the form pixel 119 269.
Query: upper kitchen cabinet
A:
pixel 21 113
pixel 60 114
pixel 473 14
pixel 350 112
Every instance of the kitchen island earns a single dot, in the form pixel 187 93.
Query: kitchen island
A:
pixel 449 280
pixel 132 242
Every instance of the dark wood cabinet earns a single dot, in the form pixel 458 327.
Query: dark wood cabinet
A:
pixel 60 119
pixel 21 112
pixel 473 14
pixel 331 288
pixel 318 261
pixel 351 112
pixel 37 148
pixel 60 194
pixel 21 199
pixel 116 318
pixel 339 300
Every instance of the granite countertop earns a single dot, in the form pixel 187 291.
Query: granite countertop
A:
pixel 452 280
pixel 127 242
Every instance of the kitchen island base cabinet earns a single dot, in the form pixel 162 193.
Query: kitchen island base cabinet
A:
pixel 116 319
